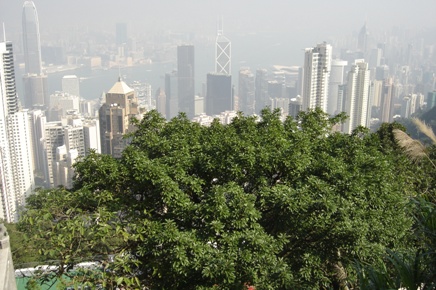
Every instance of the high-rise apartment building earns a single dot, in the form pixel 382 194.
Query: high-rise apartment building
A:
pixel 411 104
pixel 316 73
pixel 64 102
pixel 63 143
pixel 16 164
pixel 91 133
pixel 37 121
pixel 336 79
pixel 186 79
pixel 53 138
pixel 68 153
pixel 357 97
pixel 8 87
pixel 115 118
pixel 387 101
pixel 35 82
pixel 20 144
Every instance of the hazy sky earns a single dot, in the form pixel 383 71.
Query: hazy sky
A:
pixel 313 17
pixel 263 32
pixel 294 24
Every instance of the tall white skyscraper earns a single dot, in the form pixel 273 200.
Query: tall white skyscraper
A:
pixel 316 74
pixel 336 79
pixel 16 164
pixel 223 53
pixel 20 144
pixel 357 98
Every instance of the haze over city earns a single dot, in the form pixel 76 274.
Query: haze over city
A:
pixel 283 28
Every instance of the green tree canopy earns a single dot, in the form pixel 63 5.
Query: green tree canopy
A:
pixel 277 205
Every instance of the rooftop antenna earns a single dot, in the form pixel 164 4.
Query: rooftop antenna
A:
pixel 119 72
pixel 220 26
pixel 4 32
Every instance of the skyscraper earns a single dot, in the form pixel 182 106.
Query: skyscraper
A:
pixel 186 79
pixel 316 73
pixel 362 40
pixel 336 79
pixel 246 91
pixel 222 53
pixel 115 114
pixel 171 91
pixel 31 39
pixel 219 97
pixel 16 164
pixel 261 90
pixel 7 95
pixel 161 102
pixel 387 101
pixel 357 98
pixel 35 82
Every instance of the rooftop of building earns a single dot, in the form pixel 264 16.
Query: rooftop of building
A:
pixel 120 88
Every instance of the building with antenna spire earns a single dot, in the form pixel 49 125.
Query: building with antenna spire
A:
pixel 35 82
pixel 223 53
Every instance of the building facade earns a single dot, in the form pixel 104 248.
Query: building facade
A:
pixel 337 74
pixel 219 97
pixel 357 97
pixel 186 79
pixel 35 82
pixel 115 118
pixel 246 92
pixel 16 163
pixel 316 74
pixel 223 54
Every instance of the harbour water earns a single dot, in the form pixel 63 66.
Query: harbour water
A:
pixel 249 51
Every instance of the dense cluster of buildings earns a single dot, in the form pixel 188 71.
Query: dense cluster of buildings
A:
pixel 40 143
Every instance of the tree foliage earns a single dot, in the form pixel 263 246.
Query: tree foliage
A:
pixel 277 205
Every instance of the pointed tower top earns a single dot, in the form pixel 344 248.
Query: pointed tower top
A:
pixel 220 30
pixel 120 88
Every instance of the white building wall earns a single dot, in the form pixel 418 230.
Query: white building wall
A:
pixel 53 138
pixel 336 79
pixel 357 97
pixel 316 70
pixel 71 85
pixel 91 131
pixel 21 156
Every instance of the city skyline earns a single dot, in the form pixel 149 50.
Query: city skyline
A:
pixel 283 23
